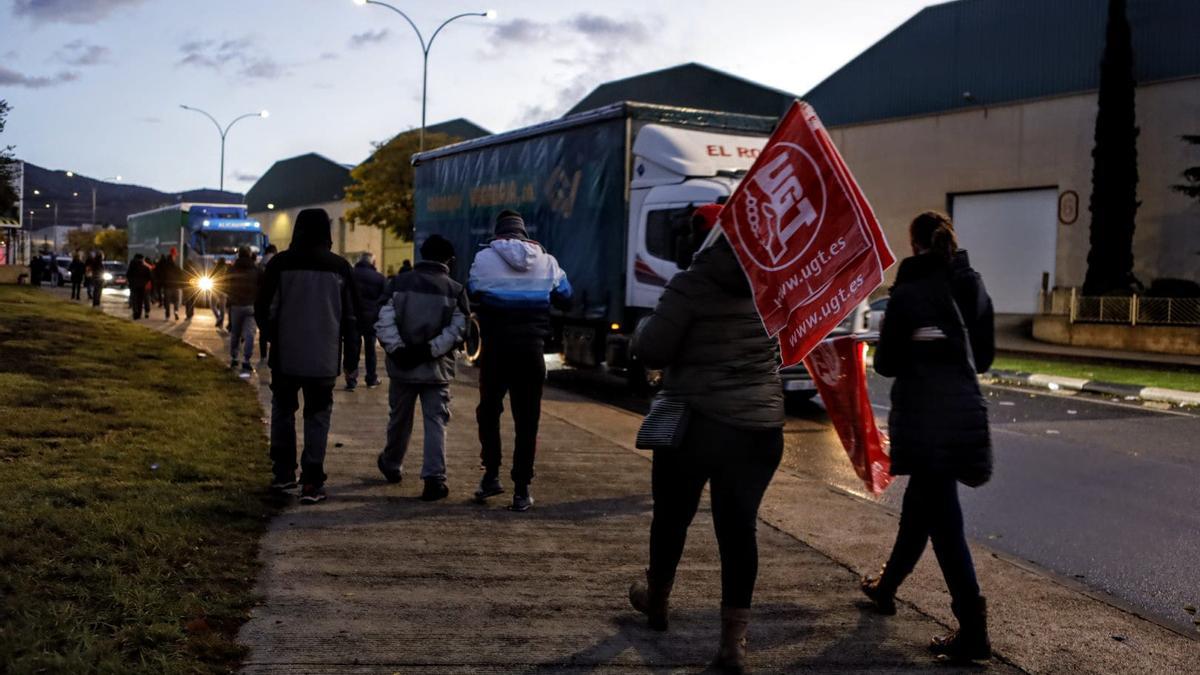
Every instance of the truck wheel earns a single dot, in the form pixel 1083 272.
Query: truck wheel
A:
pixel 473 342
pixel 640 380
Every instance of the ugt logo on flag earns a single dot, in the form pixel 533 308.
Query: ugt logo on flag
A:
pixel 782 219
pixel 804 234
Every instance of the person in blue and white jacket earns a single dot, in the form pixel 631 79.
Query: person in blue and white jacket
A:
pixel 514 281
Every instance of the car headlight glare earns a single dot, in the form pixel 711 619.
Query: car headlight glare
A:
pixel 107 276
pixel 205 283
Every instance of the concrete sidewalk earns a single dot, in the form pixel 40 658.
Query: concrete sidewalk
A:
pixel 375 581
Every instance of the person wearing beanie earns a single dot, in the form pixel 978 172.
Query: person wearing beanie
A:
pixel 307 307
pixel 421 323
pixel 515 281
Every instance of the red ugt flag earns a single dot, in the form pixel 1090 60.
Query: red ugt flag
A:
pixel 840 373
pixel 804 234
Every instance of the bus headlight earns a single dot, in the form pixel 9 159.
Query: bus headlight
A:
pixel 205 283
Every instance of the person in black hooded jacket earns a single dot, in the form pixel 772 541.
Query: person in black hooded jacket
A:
pixel 370 284
pixel 719 360
pixel 307 307
pixel 137 277
pixel 937 335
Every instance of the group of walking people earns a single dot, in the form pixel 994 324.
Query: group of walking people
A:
pixel 318 313
pixel 85 274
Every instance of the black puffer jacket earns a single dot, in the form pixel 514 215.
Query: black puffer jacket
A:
pixel 370 284
pixel 137 275
pixel 707 335
pixel 241 282
pixel 938 421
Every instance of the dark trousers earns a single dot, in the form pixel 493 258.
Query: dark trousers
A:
pixel 97 291
pixel 931 512
pixel 76 284
pixel 138 302
pixel 318 409
pixel 739 465
pixel 519 372
pixel 364 347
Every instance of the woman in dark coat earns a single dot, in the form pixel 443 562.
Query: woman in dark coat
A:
pixel 937 335
pixel 720 361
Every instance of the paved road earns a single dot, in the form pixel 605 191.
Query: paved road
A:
pixel 1104 493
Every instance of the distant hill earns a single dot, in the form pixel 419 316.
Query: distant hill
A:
pixel 114 201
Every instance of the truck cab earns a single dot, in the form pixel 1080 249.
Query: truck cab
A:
pixel 674 170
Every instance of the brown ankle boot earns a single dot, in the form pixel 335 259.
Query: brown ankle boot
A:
pixel 653 600
pixel 731 657
pixel 970 642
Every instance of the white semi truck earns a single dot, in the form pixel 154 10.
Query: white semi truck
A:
pixel 608 192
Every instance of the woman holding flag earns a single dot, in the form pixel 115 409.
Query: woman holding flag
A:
pixel 722 368
pixel 937 335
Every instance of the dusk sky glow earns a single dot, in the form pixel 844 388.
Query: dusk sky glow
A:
pixel 96 85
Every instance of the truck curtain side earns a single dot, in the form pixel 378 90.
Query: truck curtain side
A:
pixel 153 233
pixel 569 186
pixel 571 180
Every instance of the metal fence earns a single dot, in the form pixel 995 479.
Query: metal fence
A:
pixel 1132 310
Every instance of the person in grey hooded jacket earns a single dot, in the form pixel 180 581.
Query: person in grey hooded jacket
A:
pixel 420 325
pixel 307 307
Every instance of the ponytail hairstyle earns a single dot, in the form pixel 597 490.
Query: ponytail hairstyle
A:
pixel 932 231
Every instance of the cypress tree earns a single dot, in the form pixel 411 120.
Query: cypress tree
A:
pixel 1114 202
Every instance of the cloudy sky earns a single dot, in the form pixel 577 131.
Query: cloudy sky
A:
pixel 96 85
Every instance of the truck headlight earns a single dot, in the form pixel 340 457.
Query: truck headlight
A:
pixel 107 276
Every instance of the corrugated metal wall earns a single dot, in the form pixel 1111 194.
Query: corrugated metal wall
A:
pixel 1000 51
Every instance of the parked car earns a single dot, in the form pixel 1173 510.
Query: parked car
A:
pixel 114 274
pixel 797 381
pixel 875 316
pixel 61 269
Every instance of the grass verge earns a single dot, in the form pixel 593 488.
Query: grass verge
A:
pixel 1148 377
pixel 133 500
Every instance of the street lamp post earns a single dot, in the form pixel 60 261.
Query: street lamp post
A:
pixel 425 47
pixel 116 178
pixel 225 131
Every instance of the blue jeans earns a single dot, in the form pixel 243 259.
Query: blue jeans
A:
pixel 931 512
pixel 241 321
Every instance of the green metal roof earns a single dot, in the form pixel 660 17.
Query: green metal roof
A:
pixel 691 85
pixel 972 53
pixel 299 181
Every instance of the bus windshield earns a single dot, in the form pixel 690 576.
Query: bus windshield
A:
pixel 227 243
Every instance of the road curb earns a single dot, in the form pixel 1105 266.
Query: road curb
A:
pixel 1123 391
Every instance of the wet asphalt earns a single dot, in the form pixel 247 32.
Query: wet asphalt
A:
pixel 1103 493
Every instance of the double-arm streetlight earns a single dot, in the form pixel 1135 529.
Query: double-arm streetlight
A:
pixel 425 47
pixel 225 131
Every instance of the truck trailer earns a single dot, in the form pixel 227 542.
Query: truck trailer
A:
pixel 201 233
pixel 608 192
